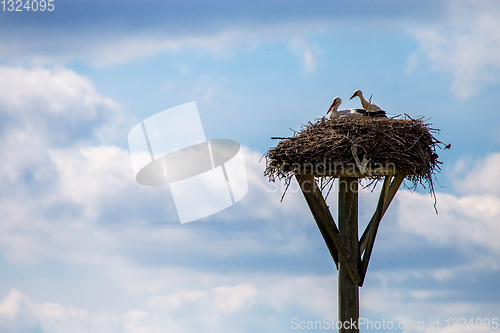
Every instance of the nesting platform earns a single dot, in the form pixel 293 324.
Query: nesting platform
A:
pixel 387 149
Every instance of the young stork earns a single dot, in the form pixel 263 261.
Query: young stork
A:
pixel 367 105
pixel 352 113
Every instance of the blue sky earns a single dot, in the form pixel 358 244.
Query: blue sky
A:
pixel 78 251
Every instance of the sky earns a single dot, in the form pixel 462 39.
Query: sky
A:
pixel 80 249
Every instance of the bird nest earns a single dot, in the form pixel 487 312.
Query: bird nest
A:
pixel 363 146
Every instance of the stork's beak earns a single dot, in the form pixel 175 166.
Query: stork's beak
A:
pixel 354 95
pixel 330 109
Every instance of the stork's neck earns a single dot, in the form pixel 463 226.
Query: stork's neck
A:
pixel 333 111
pixel 334 114
pixel 364 102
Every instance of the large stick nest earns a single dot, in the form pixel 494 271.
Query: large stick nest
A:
pixel 407 144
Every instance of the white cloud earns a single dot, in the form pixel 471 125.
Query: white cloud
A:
pixel 18 313
pixel 307 52
pixel 40 91
pixel 55 106
pixel 91 176
pixel 482 176
pixel 42 108
pixel 252 301
pixel 199 303
pixel 470 219
pixel 465 44
pixel 216 300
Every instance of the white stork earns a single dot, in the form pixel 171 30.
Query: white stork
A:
pixel 366 105
pixel 352 113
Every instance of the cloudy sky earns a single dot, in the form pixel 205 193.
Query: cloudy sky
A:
pixel 79 249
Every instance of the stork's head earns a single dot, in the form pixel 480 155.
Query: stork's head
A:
pixel 335 104
pixel 356 93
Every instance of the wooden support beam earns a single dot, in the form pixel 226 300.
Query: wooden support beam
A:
pixel 378 212
pixel 327 226
pixel 348 227
pixel 390 195
pixel 330 244
pixel 306 183
pixel 393 189
pixel 368 238
pixel 372 232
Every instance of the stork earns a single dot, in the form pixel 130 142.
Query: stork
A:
pixel 366 105
pixel 351 113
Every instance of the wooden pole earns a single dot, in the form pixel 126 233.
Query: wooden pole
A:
pixel 348 227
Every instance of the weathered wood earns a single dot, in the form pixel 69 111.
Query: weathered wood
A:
pixel 376 216
pixel 330 244
pixel 390 195
pixel 372 233
pixel 393 189
pixel 322 228
pixel 327 226
pixel 348 227
pixel 368 239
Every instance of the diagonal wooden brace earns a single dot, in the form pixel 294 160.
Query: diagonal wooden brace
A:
pixel 322 228
pixel 326 224
pixel 368 238
pixel 390 195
